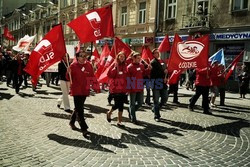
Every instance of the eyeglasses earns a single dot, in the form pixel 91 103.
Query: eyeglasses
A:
pixel 82 56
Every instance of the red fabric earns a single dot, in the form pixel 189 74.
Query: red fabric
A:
pixel 189 54
pixel 7 34
pixel 234 63
pixel 118 78
pixel 94 25
pixel 202 77
pixel 174 77
pixel 165 45
pixel 146 53
pixel 49 50
pixel 129 60
pixel 82 77
pixel 119 46
pixel 104 54
pixel 136 72
pixel 215 80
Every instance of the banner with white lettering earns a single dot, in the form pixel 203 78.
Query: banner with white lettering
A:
pixel 49 50
pixel 189 54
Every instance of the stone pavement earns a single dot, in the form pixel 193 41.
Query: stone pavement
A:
pixel 34 132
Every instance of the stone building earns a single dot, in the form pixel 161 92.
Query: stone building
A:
pixel 226 21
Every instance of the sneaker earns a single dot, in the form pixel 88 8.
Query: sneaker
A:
pixel 176 102
pixel 212 105
pixel 120 125
pixel 85 134
pixel 68 111
pixel 157 119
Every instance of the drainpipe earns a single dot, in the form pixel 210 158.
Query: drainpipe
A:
pixel 157 18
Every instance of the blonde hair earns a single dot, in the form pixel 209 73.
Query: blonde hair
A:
pixel 118 55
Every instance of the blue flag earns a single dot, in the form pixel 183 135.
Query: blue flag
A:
pixel 218 56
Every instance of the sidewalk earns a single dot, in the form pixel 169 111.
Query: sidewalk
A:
pixel 34 132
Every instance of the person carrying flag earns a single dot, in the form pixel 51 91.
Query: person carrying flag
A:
pixel 118 76
pixel 136 72
pixel 82 75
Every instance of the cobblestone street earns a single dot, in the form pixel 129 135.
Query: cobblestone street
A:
pixel 34 132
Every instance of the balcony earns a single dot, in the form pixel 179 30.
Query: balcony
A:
pixel 196 22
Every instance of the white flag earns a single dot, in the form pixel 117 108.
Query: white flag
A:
pixel 24 43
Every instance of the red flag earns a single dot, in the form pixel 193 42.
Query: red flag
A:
pixel 165 45
pixel 234 63
pixel 7 34
pixel 173 79
pixel 189 54
pixel 104 54
pixel 146 54
pixel 118 46
pixel 94 25
pixel 49 50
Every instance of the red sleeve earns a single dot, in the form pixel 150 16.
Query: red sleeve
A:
pixel 112 72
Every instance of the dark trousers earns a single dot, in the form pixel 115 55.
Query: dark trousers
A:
pixel 204 91
pixel 119 99
pixel 147 101
pixel 79 112
pixel 174 89
pixel 222 96
pixel 17 81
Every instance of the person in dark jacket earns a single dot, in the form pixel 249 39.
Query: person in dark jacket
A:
pixel 244 82
pixel 64 84
pixel 17 67
pixel 202 84
pixel 159 83
pixel 118 86
pixel 82 75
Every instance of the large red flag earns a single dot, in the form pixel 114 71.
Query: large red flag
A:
pixel 94 25
pixel 118 46
pixel 189 54
pixel 165 45
pixel 49 50
pixel 7 34
pixel 234 63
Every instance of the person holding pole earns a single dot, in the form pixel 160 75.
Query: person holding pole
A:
pixel 64 84
pixel 81 75
pixel 136 72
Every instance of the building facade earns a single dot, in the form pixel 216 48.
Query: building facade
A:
pixel 226 21
pixel 135 22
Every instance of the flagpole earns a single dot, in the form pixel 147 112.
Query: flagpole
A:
pixel 67 60
pixel 91 45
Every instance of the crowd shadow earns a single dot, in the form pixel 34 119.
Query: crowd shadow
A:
pixel 78 143
pixel 6 96
pixel 64 116
pixel 95 109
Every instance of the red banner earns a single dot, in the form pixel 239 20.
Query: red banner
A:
pixel 49 50
pixel 7 34
pixel 189 54
pixel 233 65
pixel 165 45
pixel 94 25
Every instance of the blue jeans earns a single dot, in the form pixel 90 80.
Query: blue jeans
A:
pixel 157 94
pixel 135 97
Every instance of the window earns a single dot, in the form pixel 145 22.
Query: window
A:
pixel 142 12
pixel 202 7
pixel 171 9
pixel 72 2
pixel 240 4
pixel 124 16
